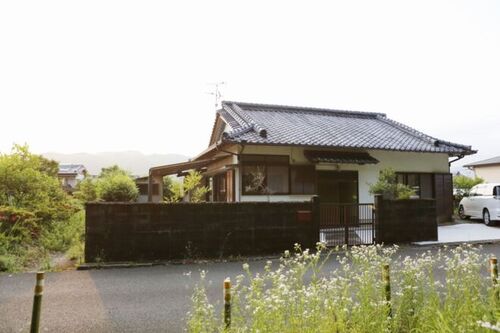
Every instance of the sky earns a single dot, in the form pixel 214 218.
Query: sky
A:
pixel 94 76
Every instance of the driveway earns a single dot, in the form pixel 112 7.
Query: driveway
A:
pixel 148 299
pixel 468 231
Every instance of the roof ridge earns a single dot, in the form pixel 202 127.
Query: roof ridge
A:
pixel 237 117
pixel 307 108
pixel 261 130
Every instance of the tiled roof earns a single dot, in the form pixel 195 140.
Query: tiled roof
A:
pixel 494 160
pixel 71 168
pixel 313 127
pixel 324 156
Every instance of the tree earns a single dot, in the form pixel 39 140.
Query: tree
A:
pixel 116 186
pixel 388 186
pixel 112 170
pixel 112 184
pixel 464 184
pixel 191 185
pixel 168 183
pixel 30 182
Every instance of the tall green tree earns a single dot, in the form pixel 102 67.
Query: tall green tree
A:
pixel 463 184
pixel 30 182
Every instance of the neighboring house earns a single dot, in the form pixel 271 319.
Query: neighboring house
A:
pixel 263 152
pixel 488 169
pixel 70 175
pixel 142 184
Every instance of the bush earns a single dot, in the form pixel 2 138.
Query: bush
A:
pixel 388 186
pixel 113 184
pixel 8 263
pixel 297 296
pixel 61 235
pixel 86 190
pixel 117 187
pixel 32 206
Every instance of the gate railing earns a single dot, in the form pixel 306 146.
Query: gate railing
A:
pixel 350 224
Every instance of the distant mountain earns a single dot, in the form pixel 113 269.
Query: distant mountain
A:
pixel 133 161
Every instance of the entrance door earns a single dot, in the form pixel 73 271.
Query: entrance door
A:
pixel 339 187
pixel 342 219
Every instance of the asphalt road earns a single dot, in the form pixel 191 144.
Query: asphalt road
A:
pixel 150 299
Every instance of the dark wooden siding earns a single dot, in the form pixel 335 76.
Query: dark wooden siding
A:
pixel 443 190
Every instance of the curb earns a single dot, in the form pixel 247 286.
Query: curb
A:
pixel 117 265
pixel 437 243
pixel 92 266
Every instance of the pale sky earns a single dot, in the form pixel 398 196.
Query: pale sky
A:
pixel 93 76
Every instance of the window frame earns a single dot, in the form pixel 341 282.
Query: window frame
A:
pixel 265 161
pixel 405 175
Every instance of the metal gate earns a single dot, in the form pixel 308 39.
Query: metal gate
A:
pixel 349 224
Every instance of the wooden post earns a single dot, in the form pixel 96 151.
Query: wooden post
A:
pixel 378 211
pixel 316 211
pixel 227 302
pixel 387 287
pixel 494 278
pixel 150 186
pixel 37 302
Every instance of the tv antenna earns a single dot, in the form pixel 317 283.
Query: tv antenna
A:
pixel 216 93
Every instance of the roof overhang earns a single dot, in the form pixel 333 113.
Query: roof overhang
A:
pixel 343 157
pixel 179 168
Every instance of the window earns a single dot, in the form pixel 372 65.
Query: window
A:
pixel 421 183
pixel 265 174
pixel 496 191
pixel 303 179
pixel 473 191
pixel 484 190
pixel 219 187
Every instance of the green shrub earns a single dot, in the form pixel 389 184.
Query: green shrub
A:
pixel 8 263
pixel 388 186
pixel 35 213
pixel 62 235
pixel 86 190
pixel 117 187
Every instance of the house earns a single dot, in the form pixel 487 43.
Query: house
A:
pixel 488 169
pixel 143 184
pixel 70 175
pixel 260 152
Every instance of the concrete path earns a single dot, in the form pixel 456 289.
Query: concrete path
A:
pixel 472 232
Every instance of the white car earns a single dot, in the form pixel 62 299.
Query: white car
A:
pixel 483 202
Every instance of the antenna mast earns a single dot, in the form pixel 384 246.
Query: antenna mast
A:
pixel 216 93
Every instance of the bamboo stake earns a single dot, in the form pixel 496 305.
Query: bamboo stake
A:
pixel 494 278
pixel 387 287
pixel 227 302
pixel 37 302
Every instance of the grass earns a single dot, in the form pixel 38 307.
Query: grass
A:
pixel 299 296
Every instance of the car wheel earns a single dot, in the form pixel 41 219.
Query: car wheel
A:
pixel 486 217
pixel 461 213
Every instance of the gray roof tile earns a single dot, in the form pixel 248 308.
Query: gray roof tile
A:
pixel 302 126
